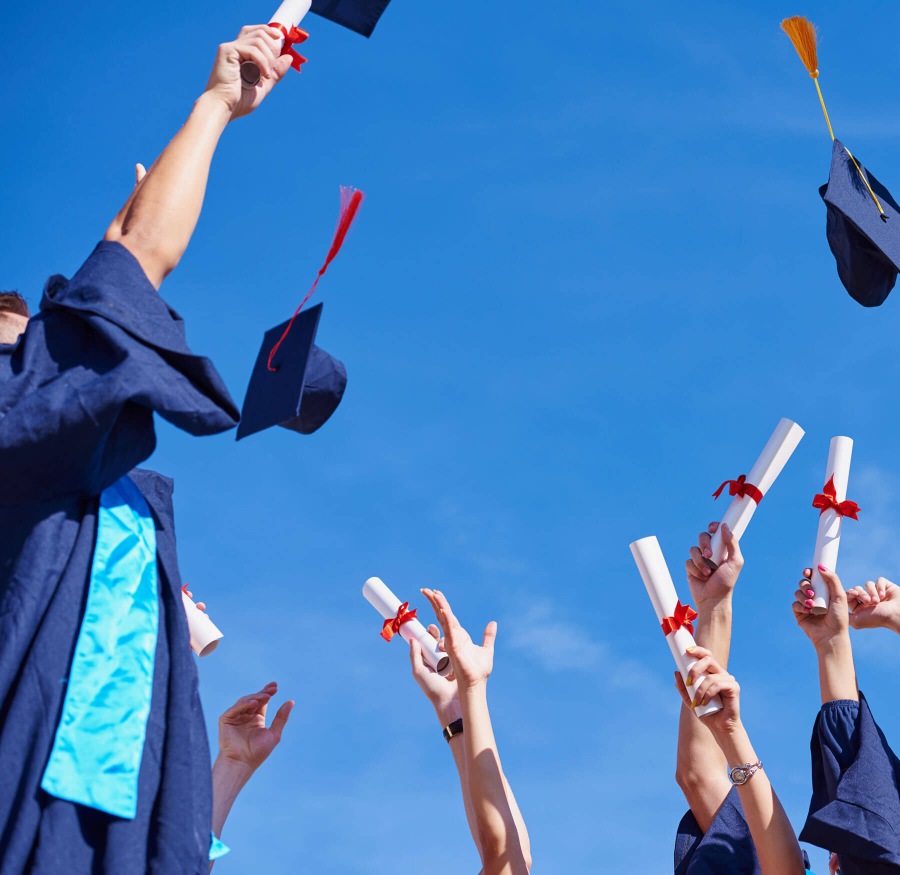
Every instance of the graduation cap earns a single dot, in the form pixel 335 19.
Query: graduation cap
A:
pixel 863 220
pixel 358 15
pixel 296 384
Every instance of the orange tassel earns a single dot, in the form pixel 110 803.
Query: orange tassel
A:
pixel 802 33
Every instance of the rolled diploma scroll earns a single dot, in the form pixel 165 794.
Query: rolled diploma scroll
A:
pixel 386 603
pixel 828 540
pixel 762 475
pixel 655 573
pixel 288 15
pixel 204 633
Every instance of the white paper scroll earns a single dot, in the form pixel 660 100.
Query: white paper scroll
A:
pixel 828 539
pixel 204 633
pixel 655 573
pixel 288 15
pixel 762 475
pixel 386 603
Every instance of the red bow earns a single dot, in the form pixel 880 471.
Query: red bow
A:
pixel 292 36
pixel 740 487
pixel 828 501
pixel 682 619
pixel 392 626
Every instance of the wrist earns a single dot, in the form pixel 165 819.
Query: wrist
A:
pixel 836 645
pixel 231 773
pixel 215 107
pixel 717 608
pixel 447 713
pixel 735 744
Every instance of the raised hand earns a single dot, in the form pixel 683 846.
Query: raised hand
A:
pixel 243 736
pixel 709 587
pixel 472 664
pixel 258 43
pixel 716 683
pixel 443 693
pixel 875 605
pixel 821 628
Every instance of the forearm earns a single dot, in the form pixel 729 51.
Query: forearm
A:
pixel 837 675
pixel 700 764
pixel 157 221
pixel 773 836
pixel 495 824
pixel 228 779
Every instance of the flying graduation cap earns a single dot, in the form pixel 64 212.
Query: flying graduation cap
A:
pixel 296 384
pixel 358 15
pixel 863 221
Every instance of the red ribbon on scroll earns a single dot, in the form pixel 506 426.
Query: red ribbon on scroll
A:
pixel 392 626
pixel 682 619
pixel 291 37
pixel 740 487
pixel 827 500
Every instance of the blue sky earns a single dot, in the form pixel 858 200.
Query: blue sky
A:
pixel 589 277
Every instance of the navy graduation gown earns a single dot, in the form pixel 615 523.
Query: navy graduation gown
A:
pixel 77 396
pixel 855 807
pixel 725 847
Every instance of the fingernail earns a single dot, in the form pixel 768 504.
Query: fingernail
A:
pixel 806 610
pixel 688 682
pixel 707 553
pixel 691 648
pixel 808 603
pixel 810 593
pixel 694 702
pixel 822 567
pixel 706 572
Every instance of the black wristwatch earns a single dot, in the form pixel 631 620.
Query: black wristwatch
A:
pixel 453 729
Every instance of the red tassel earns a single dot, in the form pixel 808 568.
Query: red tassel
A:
pixel 351 199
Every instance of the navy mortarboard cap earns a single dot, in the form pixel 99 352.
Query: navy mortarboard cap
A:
pixel 294 383
pixel 358 15
pixel 863 229
pixel 863 222
pixel 304 388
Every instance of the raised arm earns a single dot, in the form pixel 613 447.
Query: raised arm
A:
pixel 830 635
pixel 244 745
pixel 700 767
pixel 158 219
pixel 777 848
pixel 500 828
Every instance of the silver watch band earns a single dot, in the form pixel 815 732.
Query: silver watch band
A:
pixel 741 774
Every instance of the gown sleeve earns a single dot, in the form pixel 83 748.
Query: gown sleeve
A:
pixel 855 800
pixel 725 847
pixel 78 392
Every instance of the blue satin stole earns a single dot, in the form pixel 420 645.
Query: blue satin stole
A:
pixel 99 742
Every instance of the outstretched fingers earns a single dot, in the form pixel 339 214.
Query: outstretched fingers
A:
pixel 281 718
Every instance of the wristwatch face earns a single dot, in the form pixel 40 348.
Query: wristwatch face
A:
pixel 739 775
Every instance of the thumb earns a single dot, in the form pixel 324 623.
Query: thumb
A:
pixel 833 583
pixel 490 636
pixel 733 545
pixel 281 718
pixel 280 67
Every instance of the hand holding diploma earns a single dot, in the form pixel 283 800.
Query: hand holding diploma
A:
pixel 675 618
pixel 205 635
pixel 712 586
pixel 749 490
pixel 400 620
pixel 833 507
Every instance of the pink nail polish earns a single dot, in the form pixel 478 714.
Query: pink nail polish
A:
pixel 822 567
pixel 808 603
pixel 810 593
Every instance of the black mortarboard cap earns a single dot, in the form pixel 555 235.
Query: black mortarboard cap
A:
pixel 304 388
pixel 358 15
pixel 864 240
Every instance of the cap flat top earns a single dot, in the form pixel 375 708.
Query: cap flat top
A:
pixel 358 15
pixel 865 245
pixel 274 397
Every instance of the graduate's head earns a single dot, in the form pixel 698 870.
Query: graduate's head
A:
pixel 14 316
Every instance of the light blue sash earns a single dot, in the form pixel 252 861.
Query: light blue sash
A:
pixel 217 848
pixel 99 742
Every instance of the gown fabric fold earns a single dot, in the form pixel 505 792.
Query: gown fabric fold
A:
pixel 855 806
pixel 77 396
